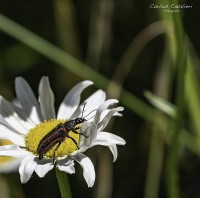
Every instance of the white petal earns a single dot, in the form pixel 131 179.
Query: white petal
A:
pixel 15 116
pixel 26 168
pixel 15 101
pixel 88 168
pixel 28 122
pixel 66 165
pixel 13 151
pixel 108 139
pixel 92 103
pixel 2 120
pixel 43 167
pixel 118 114
pixel 102 108
pixel 72 100
pixel 28 100
pixel 90 130
pixel 107 118
pixel 7 133
pixel 46 99
pixel 114 151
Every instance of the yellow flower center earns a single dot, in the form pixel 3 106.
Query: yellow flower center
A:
pixel 5 159
pixel 37 133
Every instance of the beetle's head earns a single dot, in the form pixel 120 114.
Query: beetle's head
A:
pixel 80 120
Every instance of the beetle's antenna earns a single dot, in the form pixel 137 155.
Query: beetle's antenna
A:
pixel 89 113
pixel 83 108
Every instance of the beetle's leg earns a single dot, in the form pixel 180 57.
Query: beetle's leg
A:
pixel 75 131
pixel 54 154
pixel 74 141
pixel 59 143
pixel 40 156
pixel 22 147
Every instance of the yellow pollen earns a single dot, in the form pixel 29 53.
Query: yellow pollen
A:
pixel 39 131
pixel 5 159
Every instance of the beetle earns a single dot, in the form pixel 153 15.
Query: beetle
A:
pixel 58 134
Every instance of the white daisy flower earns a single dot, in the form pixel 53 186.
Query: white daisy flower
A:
pixel 27 126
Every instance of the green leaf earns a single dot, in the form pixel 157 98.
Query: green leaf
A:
pixel 161 104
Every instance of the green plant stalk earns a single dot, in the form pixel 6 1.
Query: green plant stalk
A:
pixel 192 94
pixel 180 63
pixel 155 163
pixel 177 47
pixel 63 183
pixel 193 99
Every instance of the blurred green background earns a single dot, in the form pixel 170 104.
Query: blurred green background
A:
pixel 139 48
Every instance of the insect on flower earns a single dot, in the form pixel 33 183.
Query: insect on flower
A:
pixel 27 126
pixel 59 134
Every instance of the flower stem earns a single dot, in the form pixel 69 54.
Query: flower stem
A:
pixel 63 183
